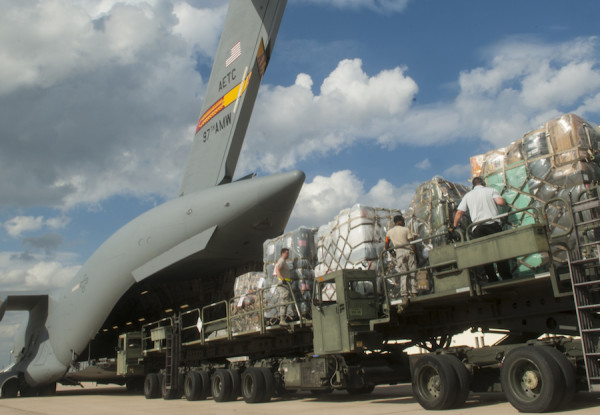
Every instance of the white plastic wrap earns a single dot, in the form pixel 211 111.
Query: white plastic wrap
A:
pixel 354 239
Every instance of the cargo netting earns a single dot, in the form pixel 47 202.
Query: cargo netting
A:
pixel 432 209
pixel 559 159
pixel 353 240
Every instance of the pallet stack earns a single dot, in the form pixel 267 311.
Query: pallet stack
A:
pixel 556 160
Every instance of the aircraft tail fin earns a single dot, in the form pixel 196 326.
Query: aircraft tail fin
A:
pixel 245 47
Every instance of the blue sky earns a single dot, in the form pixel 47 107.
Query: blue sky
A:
pixel 99 99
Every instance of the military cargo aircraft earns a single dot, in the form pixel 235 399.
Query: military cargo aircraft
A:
pixel 184 252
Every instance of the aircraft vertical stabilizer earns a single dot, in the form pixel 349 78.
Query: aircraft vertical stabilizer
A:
pixel 242 57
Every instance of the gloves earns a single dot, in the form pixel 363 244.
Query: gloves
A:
pixel 451 228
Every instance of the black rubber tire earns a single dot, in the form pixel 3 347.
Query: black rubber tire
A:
pixel 10 389
pixel 253 385
pixel 46 390
pixel 135 386
pixel 171 393
pixel 568 372
pixel 531 380
pixel 161 376
pixel 221 385
pixel 464 380
pixel 27 392
pixel 362 390
pixel 192 386
pixel 434 383
pixel 206 386
pixel 152 386
pixel 269 384
pixel 236 383
pixel 180 383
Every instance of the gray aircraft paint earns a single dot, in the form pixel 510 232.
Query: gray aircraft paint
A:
pixel 242 57
pixel 204 222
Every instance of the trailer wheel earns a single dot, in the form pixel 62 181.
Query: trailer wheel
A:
pixel 434 382
pixel 236 389
pixel 568 372
pixel 28 392
pixel 10 389
pixel 221 385
pixel 253 385
pixel 152 386
pixel 269 383
pixel 192 386
pixel 206 386
pixel 361 390
pixel 531 380
pixel 170 393
pixel 464 380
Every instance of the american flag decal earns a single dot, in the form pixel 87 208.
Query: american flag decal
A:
pixel 234 53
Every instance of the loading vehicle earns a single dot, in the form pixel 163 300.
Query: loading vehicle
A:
pixel 360 330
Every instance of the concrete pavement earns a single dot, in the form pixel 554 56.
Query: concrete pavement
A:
pixel 96 400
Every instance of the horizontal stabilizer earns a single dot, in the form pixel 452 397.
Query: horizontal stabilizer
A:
pixel 185 249
pixel 21 301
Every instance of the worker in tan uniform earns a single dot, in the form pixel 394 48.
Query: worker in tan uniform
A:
pixel 405 256
pixel 284 277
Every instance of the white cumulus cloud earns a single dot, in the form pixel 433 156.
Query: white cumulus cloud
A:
pixel 21 224
pixel 377 5
pixel 291 123
pixel 423 164
pixel 98 98
pixel 522 84
pixel 34 272
pixel 325 196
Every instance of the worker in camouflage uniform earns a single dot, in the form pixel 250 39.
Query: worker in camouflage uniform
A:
pixel 284 277
pixel 403 254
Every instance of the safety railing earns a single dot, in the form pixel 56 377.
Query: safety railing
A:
pixel 533 212
pixel 218 326
pixel 154 334
pixel 381 267
pixel 391 278
pixel 245 314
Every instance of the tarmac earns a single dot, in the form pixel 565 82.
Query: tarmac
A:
pixel 93 400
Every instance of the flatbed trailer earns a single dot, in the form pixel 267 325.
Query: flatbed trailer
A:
pixel 357 338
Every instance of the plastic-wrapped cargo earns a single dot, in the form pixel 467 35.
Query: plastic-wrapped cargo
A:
pixel 249 283
pixel 433 208
pixel 555 160
pixel 244 306
pixel 300 242
pixel 302 261
pixel 354 239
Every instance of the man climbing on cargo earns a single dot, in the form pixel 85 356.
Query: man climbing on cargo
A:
pixel 282 271
pixel 404 255
pixel 482 204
